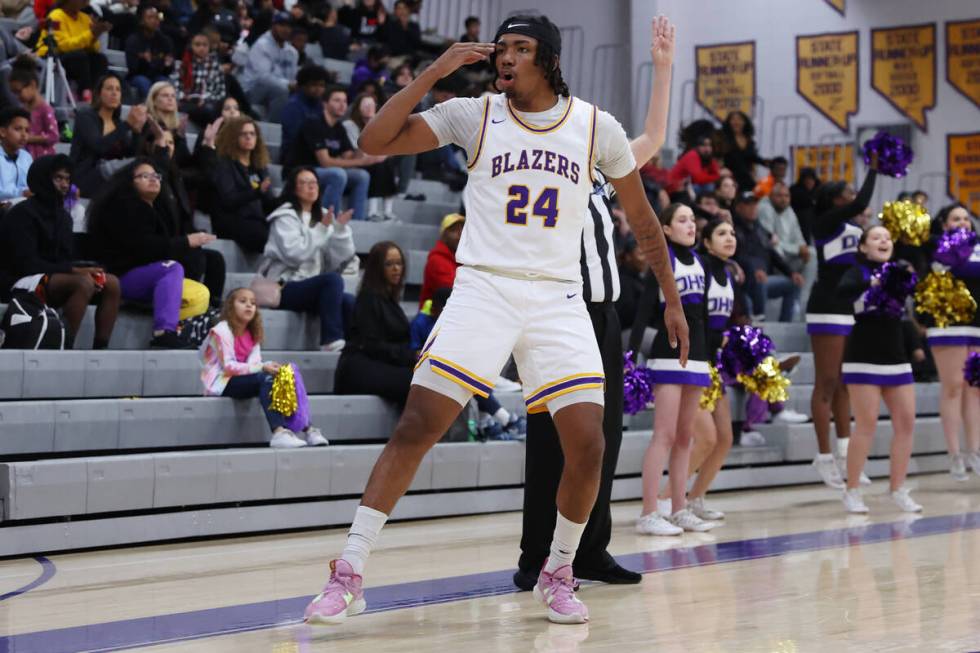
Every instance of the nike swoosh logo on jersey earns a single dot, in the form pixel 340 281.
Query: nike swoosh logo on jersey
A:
pixel 570 296
pixel 497 122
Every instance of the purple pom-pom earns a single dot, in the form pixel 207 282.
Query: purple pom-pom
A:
pixel 637 386
pixel 971 371
pixel 894 155
pixel 895 283
pixel 745 348
pixel 955 247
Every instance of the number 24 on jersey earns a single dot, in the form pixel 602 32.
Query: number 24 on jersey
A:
pixel 545 206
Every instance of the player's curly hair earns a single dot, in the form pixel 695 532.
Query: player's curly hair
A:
pixel 548 60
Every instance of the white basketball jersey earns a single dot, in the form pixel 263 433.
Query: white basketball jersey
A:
pixel 528 192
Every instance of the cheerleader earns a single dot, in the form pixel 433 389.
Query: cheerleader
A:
pixel 677 390
pixel 828 319
pixel 959 403
pixel 876 366
pixel 713 431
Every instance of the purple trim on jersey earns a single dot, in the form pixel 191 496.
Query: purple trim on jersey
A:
pixel 865 378
pixel 823 328
pixel 674 377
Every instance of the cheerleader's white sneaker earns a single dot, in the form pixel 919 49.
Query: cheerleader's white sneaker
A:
pixel 656 524
pixel 904 501
pixel 854 503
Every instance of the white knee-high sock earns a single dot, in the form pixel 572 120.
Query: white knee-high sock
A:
pixel 362 537
pixel 564 543
pixel 842 447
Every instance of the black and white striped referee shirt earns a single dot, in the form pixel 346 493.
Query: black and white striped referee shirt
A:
pixel 600 276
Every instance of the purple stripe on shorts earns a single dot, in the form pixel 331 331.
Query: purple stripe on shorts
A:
pixel 466 378
pixel 677 377
pixel 865 378
pixel 563 386
pixel 821 328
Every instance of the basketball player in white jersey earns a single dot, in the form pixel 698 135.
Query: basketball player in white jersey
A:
pixel 531 155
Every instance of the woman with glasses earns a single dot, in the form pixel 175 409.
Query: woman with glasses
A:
pixel 242 186
pixel 141 242
pixel 378 358
pixel 307 247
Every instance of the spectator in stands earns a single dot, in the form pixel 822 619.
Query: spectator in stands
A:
pixel 632 279
pixel 363 19
pixel 382 189
pixel 472 33
pixel 271 68
pixel 206 266
pixel 242 185
pixel 215 13
pixel 232 366
pixel 44 125
pixel 379 359
pixel 76 36
pixel 726 192
pixel 372 68
pixel 335 39
pixel 402 37
pixel 696 166
pixel 299 38
pixel 161 109
pixel 440 264
pixel 174 18
pixel 778 167
pixel 323 144
pixel 141 243
pixel 803 199
pixel 36 238
pixel 200 82
pixel 741 155
pixel 15 126
pixel 757 256
pixel 921 198
pixel 307 248
pixel 305 103
pixel 149 52
pixel 121 14
pixel 103 141
pixel 778 218
pixel 405 163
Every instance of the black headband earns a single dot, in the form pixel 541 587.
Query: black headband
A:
pixel 534 26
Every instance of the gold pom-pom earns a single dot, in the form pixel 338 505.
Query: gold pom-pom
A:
pixel 766 381
pixel 945 298
pixel 906 221
pixel 711 394
pixel 284 392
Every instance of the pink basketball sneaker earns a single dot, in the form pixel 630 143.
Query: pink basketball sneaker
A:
pixel 557 591
pixel 341 598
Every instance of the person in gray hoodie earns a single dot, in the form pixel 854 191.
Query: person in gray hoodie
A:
pixel 307 248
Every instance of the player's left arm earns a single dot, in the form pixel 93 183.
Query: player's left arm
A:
pixel 650 239
pixel 654 133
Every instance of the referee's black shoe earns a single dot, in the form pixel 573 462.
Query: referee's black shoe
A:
pixel 605 570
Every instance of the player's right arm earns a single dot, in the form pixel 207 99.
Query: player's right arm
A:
pixel 395 130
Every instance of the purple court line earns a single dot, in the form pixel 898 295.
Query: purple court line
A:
pixel 145 631
pixel 48 570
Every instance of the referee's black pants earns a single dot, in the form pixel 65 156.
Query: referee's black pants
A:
pixel 544 461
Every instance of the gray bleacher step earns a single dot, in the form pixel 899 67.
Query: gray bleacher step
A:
pixel 235 280
pixel 236 260
pixel 635 443
pixel 787 336
pixel 39 427
pixel 799 442
pixel 428 212
pixel 78 486
pixel 407 236
pixel 434 191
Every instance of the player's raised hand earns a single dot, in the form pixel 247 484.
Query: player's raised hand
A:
pixel 662 41
pixel 677 333
pixel 461 54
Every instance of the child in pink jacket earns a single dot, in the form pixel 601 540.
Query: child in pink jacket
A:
pixel 233 367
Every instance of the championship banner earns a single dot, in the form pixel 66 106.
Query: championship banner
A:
pixel 827 75
pixel 903 69
pixel 725 79
pixel 833 162
pixel 963 58
pixel 839 5
pixel 963 160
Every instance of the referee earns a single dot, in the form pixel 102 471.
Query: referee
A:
pixel 600 289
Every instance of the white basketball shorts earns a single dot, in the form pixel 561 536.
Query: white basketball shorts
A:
pixel 544 323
